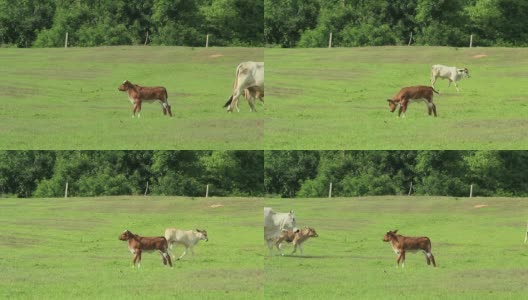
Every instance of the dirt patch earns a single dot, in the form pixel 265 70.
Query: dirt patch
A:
pixel 480 205
pixel 215 55
pixel 17 241
pixel 216 205
pixel 479 56
pixel 12 91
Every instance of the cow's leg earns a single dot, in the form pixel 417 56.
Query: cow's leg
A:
pixel 300 248
pixel 403 259
pixel 168 258
pixel 139 109
pixel 183 254
pixel 278 244
pixel 398 260
pixel 192 250
pixel 166 108
pixel 163 258
pixel 434 108
pixel 433 80
pixel 138 253
pixel 269 242
pixel 456 86
pixel 134 109
pixel 294 248
pixel 427 260
pixel 431 257
pixel 251 102
pixel 134 259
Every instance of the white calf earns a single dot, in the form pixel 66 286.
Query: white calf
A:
pixel 453 74
pixel 187 238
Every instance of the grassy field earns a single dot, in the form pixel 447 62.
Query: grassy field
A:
pixel 68 99
pixel 336 99
pixel 69 248
pixel 479 251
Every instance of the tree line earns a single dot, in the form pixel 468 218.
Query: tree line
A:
pixel 361 173
pixel 100 173
pixel 44 23
pixel 308 23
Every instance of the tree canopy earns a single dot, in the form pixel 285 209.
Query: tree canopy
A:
pixel 44 23
pixel 361 173
pixel 100 173
pixel 308 23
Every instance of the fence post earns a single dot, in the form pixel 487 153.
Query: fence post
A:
pixel 471 191
pixel 146 39
pixel 410 189
pixel 66 41
pixel 471 41
pixel 330 191
pixel 146 189
pixel 330 41
pixel 207 191
pixel 526 235
pixel 410 40
pixel 66 190
pixel 207 41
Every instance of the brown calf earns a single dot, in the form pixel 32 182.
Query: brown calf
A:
pixel 413 94
pixel 400 244
pixel 137 244
pixel 138 94
pixel 296 237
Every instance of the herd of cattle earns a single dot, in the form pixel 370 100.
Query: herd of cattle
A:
pixel 279 227
pixel 425 93
pixel 249 82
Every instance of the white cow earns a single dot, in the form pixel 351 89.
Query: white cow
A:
pixel 453 74
pixel 274 223
pixel 248 74
pixel 187 238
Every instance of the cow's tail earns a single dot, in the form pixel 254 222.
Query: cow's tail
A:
pixel 438 92
pixel 229 101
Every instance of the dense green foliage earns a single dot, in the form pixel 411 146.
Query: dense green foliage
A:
pixel 44 23
pixel 95 173
pixel 360 173
pixel 308 23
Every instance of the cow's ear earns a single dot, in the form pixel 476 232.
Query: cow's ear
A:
pixel 395 231
pixel 291 212
pixel 198 230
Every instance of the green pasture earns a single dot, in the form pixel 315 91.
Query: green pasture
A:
pixel 477 244
pixel 68 99
pixel 69 248
pixel 336 99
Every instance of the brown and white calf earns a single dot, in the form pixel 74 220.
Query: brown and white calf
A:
pixel 187 238
pixel 138 244
pixel 296 237
pixel 139 94
pixel 401 244
pixel 413 94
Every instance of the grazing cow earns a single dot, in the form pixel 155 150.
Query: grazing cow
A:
pixel 137 244
pixel 248 74
pixel 187 238
pixel 413 94
pixel 296 237
pixel 400 244
pixel 453 74
pixel 139 94
pixel 274 223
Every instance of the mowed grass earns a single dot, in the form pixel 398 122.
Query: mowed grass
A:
pixel 479 251
pixel 336 99
pixel 69 248
pixel 68 99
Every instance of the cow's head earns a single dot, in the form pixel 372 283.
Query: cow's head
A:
pixel 125 86
pixel 126 235
pixel 202 234
pixel 392 105
pixel 390 235
pixel 464 72
pixel 308 231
